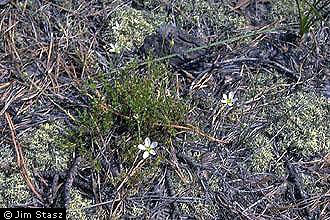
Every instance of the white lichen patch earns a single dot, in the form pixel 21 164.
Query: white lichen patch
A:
pixel 12 187
pixel 300 125
pixel 284 8
pixel 279 123
pixel 41 147
pixel 7 159
pixel 129 27
pixel 263 155
pixel 76 210
pixel 13 190
pixel 218 15
pixel 40 153
pixel 138 211
pixel 307 124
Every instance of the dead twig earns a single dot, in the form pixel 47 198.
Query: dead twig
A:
pixel 20 158
pixel 198 131
pixel 68 184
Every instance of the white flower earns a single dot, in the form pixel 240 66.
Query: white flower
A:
pixel 148 148
pixel 114 48
pixel 229 99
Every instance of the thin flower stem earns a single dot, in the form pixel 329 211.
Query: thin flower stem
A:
pixel 198 131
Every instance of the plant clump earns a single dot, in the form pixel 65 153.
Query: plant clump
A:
pixel 130 105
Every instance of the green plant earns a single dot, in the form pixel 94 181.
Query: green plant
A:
pixel 131 105
pixel 309 13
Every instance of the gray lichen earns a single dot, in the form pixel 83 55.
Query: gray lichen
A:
pixel 129 27
pixel 41 147
pixel 41 153
pixel 303 130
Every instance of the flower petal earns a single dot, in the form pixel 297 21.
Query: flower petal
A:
pixel 147 142
pixel 231 95
pixel 152 152
pixel 141 147
pixel 224 96
pixel 224 101
pixel 145 154
pixel 154 144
